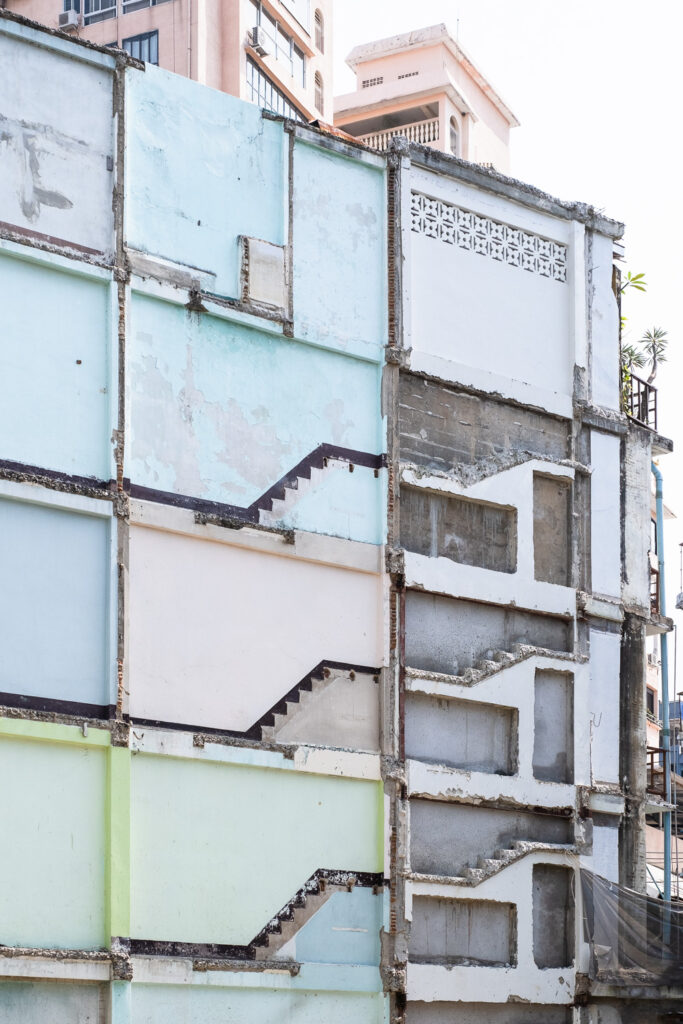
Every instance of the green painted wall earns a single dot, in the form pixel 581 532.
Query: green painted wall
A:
pixel 52 844
pixel 218 849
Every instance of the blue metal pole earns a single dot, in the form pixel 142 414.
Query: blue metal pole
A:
pixel 664 646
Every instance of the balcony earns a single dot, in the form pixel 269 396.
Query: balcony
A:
pixel 424 132
pixel 641 400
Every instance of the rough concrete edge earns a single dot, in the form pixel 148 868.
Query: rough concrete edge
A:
pixel 510 188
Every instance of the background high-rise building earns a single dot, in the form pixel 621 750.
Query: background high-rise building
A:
pixel 277 53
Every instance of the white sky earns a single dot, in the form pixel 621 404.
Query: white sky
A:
pixel 596 85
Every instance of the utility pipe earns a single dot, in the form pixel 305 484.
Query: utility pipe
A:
pixel 664 646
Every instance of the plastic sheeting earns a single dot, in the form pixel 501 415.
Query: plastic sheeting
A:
pixel 633 939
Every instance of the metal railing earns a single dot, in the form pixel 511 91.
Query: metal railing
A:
pixel 654 591
pixel 424 132
pixel 656 783
pixel 641 400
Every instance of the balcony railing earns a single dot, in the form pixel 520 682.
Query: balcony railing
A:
pixel 424 132
pixel 641 400
pixel 656 782
pixel 654 591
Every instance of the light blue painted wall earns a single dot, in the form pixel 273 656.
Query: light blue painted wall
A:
pixel 222 412
pixel 340 269
pixel 344 931
pixel 45 1002
pixel 202 168
pixel 156 1004
pixel 52 845
pixel 54 411
pixel 54 603
pixel 343 504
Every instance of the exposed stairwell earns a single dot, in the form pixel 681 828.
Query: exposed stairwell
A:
pixel 303 905
pixel 300 703
pixel 484 668
pixel 294 490
pixel 487 867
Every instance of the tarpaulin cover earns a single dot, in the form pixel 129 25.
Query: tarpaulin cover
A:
pixel 632 938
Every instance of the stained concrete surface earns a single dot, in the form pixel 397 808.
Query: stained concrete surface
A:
pixel 466 531
pixel 445 634
pixel 472 932
pixel 461 734
pixel 446 838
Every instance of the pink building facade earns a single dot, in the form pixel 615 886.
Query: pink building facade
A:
pixel 277 53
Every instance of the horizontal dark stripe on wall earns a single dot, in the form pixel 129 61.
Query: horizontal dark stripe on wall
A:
pixel 104 712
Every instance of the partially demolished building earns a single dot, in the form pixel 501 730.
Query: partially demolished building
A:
pixel 324 548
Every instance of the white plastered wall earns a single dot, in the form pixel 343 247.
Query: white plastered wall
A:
pixel 481 320
pixel 605 514
pixel 224 623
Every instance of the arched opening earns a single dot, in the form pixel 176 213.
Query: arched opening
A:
pixel 319 92
pixel 320 31
pixel 455 137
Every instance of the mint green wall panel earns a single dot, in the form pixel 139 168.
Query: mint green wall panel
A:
pixel 217 850
pixel 52 845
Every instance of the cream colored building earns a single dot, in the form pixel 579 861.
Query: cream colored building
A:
pixel 423 85
pixel 277 53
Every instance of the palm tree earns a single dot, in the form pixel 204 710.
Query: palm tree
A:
pixel 654 344
pixel 632 356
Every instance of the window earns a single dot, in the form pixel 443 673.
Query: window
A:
pixel 98 10
pixel 319 92
pixel 264 92
pixel 455 138
pixel 319 31
pixel 72 5
pixel 408 74
pixel 138 5
pixel 282 46
pixel 144 47
pixel 651 703
pixel 368 82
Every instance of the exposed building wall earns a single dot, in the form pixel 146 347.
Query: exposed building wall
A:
pixel 268 732
pixel 196 462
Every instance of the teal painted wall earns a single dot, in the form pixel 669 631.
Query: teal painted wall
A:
pixel 54 606
pixel 232 844
pixel 155 1004
pixel 340 266
pixel 346 930
pixel 52 845
pixel 202 168
pixel 45 1002
pixel 55 391
pixel 222 412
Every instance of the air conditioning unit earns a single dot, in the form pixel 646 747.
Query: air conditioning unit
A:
pixel 70 21
pixel 260 41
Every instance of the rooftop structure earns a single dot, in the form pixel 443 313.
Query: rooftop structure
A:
pixel 423 86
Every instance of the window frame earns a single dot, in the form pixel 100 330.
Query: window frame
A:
pixel 140 38
pixel 264 92
pixel 319 30
pixel 283 53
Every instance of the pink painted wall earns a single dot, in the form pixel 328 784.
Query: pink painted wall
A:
pixel 205 40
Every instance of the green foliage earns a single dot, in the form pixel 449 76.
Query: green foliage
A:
pixel 655 344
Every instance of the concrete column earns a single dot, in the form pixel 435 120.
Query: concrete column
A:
pixel 632 750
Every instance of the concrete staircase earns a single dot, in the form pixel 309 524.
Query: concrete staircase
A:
pixel 300 700
pixel 303 905
pixel 487 867
pixel 484 668
pixel 277 508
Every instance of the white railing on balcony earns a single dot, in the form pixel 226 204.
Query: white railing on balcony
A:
pixel 424 132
